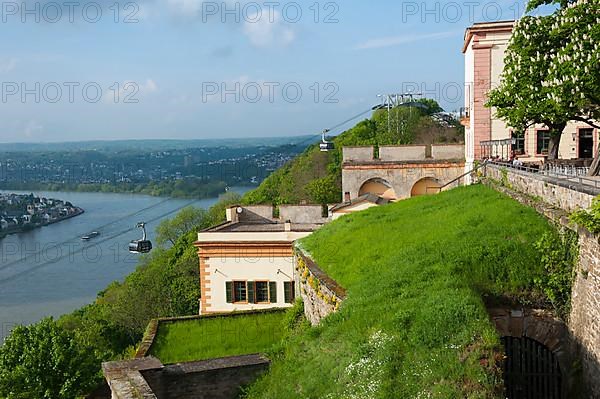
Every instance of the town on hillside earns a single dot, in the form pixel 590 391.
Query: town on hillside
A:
pixel 20 212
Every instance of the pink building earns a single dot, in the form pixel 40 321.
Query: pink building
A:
pixel 485 135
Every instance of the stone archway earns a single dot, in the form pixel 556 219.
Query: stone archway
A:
pixel 426 186
pixel 537 332
pixel 380 187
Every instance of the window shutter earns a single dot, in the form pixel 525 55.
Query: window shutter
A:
pixel 288 290
pixel 273 292
pixel 251 296
pixel 229 291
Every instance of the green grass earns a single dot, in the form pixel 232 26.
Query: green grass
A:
pixel 214 337
pixel 414 324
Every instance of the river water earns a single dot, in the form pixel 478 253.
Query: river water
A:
pixel 50 271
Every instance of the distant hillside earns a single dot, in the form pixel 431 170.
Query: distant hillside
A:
pixel 152 145
pixel 315 177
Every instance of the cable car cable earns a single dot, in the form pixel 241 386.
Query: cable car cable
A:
pixel 312 137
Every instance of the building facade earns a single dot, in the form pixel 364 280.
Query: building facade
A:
pixel 247 263
pixel 486 136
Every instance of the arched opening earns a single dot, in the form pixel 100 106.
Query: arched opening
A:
pixel 426 186
pixel 378 187
pixel 530 370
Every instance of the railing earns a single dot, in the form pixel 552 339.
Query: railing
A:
pixel 567 179
pixel 568 170
pixel 475 169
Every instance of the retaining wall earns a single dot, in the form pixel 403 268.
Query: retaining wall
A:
pixel 584 321
pixel 210 379
pixel 584 318
pixel 566 195
pixel 322 296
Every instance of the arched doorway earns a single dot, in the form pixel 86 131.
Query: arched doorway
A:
pixel 426 186
pixel 378 187
pixel 531 370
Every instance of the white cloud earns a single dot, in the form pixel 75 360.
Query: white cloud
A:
pixel 31 128
pixel 189 8
pixel 399 40
pixel 149 87
pixel 266 33
pixel 7 65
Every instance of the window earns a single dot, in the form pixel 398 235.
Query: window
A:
pixel 586 143
pixel 518 146
pixel 262 291
pixel 240 291
pixel 289 291
pixel 543 141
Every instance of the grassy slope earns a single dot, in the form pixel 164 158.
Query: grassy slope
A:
pixel 414 324
pixel 216 337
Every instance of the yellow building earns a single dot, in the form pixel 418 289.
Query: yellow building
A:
pixel 247 263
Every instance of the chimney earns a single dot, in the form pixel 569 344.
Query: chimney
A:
pixel 232 214
pixel 346 197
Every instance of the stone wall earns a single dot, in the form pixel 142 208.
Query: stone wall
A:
pixel 302 213
pixel 358 153
pixel 210 379
pixel 322 296
pixel 584 321
pixel 456 151
pixel 402 153
pixel 405 153
pixel 564 194
pixel 148 378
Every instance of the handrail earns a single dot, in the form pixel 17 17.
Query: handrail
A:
pixel 463 175
pixel 567 178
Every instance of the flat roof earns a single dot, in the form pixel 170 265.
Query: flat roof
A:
pixel 249 227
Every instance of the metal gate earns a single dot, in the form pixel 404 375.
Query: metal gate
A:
pixel 531 370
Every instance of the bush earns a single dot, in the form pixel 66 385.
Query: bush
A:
pixel 589 219
pixel 559 254
pixel 46 361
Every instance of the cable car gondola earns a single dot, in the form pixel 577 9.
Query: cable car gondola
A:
pixel 142 246
pixel 325 145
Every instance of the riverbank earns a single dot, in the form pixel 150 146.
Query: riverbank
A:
pixel 32 226
pixel 186 188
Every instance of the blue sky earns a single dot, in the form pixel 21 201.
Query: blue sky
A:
pixel 179 55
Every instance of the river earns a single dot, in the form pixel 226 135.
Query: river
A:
pixel 50 271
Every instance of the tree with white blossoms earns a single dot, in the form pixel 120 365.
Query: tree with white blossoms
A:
pixel 552 71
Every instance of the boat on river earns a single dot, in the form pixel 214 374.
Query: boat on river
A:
pixel 88 237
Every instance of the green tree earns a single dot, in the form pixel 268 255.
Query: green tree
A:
pixel 432 106
pixel 187 219
pixel 521 99
pixel 324 191
pixel 45 361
